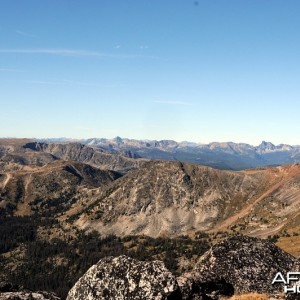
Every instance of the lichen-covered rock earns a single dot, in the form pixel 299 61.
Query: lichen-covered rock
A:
pixel 122 277
pixel 189 289
pixel 248 264
pixel 296 268
pixel 28 296
pixel 187 286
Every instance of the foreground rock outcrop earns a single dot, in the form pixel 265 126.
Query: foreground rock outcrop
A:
pixel 239 264
pixel 126 278
pixel 247 264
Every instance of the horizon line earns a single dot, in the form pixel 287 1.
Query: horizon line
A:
pixel 150 140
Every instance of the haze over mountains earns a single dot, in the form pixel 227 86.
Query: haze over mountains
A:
pixel 229 155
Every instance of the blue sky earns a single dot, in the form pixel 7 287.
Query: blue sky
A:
pixel 201 71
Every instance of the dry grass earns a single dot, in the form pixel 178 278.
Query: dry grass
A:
pixel 290 244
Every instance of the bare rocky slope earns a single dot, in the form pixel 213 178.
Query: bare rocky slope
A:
pixel 172 198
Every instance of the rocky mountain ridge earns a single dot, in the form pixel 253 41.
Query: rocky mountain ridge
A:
pixel 226 155
pixel 18 153
pixel 50 189
pixel 172 198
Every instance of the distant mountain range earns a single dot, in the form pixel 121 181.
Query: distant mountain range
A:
pixel 229 155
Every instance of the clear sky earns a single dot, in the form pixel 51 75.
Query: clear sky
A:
pixel 203 71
